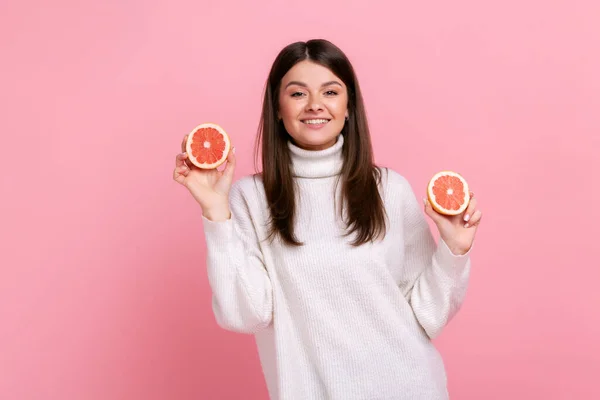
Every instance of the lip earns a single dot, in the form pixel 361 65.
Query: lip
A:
pixel 315 126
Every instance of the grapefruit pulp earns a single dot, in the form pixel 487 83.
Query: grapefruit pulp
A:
pixel 207 146
pixel 448 193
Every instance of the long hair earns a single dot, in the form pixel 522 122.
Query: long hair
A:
pixel 365 213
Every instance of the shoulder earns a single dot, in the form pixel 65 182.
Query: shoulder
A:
pixel 248 185
pixel 399 196
pixel 248 205
pixel 403 208
pixel 248 190
pixel 393 182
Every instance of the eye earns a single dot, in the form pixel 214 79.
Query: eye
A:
pixel 331 93
pixel 296 94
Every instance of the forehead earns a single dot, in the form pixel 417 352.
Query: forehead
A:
pixel 310 73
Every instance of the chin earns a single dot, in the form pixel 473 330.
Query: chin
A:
pixel 315 140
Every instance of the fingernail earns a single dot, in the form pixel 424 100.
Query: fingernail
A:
pixel 466 225
pixel 467 217
pixel 233 150
pixel 424 201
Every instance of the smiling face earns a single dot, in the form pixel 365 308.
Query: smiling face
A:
pixel 313 105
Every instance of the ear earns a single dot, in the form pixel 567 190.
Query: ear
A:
pixel 347 114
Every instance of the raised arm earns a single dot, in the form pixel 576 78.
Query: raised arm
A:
pixel 242 296
pixel 436 278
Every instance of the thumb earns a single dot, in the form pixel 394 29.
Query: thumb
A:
pixel 225 180
pixel 230 167
pixel 434 215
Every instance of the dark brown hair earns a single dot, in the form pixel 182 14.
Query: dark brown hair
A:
pixel 364 208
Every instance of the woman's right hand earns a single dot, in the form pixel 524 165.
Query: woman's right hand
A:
pixel 210 187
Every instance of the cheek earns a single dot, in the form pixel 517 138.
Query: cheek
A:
pixel 289 109
pixel 338 108
pixel 338 104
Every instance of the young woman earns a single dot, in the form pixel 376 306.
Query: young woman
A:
pixel 326 258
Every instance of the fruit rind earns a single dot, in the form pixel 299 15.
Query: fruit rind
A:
pixel 431 196
pixel 188 146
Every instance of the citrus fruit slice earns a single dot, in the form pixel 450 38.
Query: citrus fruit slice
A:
pixel 448 193
pixel 207 146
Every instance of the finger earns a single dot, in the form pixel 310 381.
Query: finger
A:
pixel 187 162
pixel 183 170
pixel 429 210
pixel 475 219
pixel 470 209
pixel 178 175
pixel 226 177
pixel 180 159
pixel 183 142
pixel 230 167
pixel 184 150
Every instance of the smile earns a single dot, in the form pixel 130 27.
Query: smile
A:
pixel 315 121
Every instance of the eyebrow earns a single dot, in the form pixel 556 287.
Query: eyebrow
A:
pixel 305 85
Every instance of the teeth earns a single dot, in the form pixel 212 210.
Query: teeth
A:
pixel 315 121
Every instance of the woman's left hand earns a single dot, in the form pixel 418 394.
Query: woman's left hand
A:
pixel 458 231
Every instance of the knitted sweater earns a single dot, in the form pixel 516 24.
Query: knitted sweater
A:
pixel 333 321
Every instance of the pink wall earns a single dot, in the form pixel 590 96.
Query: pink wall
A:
pixel 103 292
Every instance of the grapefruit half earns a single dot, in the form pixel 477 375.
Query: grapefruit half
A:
pixel 207 146
pixel 448 193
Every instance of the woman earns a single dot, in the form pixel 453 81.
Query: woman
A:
pixel 324 257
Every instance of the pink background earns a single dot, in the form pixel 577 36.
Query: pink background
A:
pixel 103 292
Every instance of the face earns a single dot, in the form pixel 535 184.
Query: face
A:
pixel 313 104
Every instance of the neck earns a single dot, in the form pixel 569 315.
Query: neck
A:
pixel 317 163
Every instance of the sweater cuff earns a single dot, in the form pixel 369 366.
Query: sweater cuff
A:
pixel 453 265
pixel 217 232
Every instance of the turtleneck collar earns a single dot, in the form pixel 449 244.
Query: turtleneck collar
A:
pixel 317 163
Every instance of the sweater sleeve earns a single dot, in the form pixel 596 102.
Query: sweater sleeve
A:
pixel 241 290
pixel 437 277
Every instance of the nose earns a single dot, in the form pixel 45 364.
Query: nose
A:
pixel 314 104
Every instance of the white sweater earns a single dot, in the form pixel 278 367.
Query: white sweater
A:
pixel 332 321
